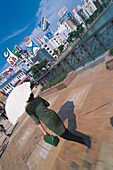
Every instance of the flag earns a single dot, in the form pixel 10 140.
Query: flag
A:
pixel 11 58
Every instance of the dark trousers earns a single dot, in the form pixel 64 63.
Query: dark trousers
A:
pixel 3 131
pixel 69 136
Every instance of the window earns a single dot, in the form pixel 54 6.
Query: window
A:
pixel 45 45
pixel 48 48
pixel 50 51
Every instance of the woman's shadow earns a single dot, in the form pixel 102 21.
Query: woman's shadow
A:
pixel 67 112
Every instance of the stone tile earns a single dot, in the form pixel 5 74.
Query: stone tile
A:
pixel 86 164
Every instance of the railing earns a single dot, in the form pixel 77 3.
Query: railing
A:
pixel 87 51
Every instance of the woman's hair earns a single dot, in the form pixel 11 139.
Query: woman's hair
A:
pixel 31 97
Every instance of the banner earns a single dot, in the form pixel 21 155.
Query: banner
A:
pixel 44 24
pixel 11 58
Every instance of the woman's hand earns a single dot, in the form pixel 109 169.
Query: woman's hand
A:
pixel 45 133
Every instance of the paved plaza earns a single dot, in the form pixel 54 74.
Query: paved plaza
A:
pixel 85 106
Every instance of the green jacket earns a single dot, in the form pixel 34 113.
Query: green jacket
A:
pixel 38 110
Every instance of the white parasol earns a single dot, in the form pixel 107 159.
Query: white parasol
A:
pixel 16 102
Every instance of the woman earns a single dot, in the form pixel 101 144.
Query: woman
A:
pixel 37 108
pixel 3 113
pixel 3 131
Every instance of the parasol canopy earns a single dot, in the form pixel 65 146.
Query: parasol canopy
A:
pixel 16 102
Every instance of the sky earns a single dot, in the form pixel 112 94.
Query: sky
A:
pixel 20 18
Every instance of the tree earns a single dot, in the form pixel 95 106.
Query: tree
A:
pixel 55 52
pixel 61 47
pixel 69 39
pixel 41 65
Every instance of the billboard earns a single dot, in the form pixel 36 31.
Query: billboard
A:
pixel 11 58
pixel 49 35
pixel 80 9
pixel 16 50
pixel 44 24
pixel 62 12
pixel 8 71
pixel 74 10
pixel 1 94
pixel 69 14
pixel 31 45
pixel 39 40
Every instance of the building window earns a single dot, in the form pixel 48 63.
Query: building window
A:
pixel 45 45
pixel 48 48
pixel 50 51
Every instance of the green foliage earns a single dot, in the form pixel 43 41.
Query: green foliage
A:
pixel 34 69
pixel 96 13
pixel 55 52
pixel 60 79
pixel 44 88
pixel 69 39
pixel 61 47
pixel 76 34
pixel 111 51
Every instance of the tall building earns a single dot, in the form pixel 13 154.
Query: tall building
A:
pixel 72 23
pixel 82 13
pixel 9 84
pixel 89 7
pixel 77 17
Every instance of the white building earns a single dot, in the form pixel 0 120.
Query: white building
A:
pixel 48 46
pixel 83 12
pixel 77 17
pixel 89 7
pixel 9 85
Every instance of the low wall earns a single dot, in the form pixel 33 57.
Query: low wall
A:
pixel 61 85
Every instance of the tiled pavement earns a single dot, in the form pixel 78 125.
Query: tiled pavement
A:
pixel 85 106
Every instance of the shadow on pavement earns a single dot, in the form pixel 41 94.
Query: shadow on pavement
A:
pixel 3 149
pixel 67 112
pixel 111 121
pixel 5 145
pixel 14 128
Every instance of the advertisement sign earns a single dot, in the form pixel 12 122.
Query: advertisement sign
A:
pixel 44 24
pixel 74 10
pixel 62 12
pixel 31 45
pixel 80 9
pixel 69 14
pixel 45 39
pixel 11 58
pixel 7 71
pixel 39 40
pixel 49 35
pixel 16 50
pixel 1 94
